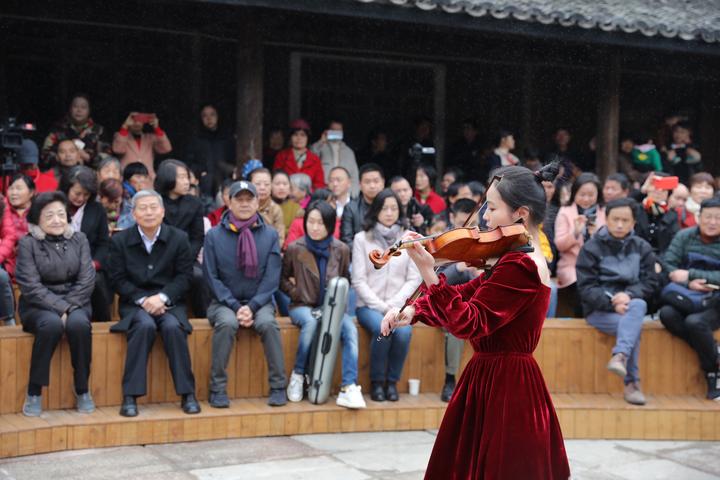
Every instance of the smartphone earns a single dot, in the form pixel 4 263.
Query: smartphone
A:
pixel 665 183
pixel 334 135
pixel 143 117
pixel 712 286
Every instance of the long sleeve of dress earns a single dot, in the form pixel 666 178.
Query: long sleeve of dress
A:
pixel 480 307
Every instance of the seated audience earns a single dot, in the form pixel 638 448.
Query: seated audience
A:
pixel 300 189
pixel 20 194
pixel 135 177
pixel 242 267
pixel 616 280
pixel 478 191
pixel 216 215
pixel 616 186
pixel 67 157
pixel 118 211
pixel 702 187
pixel 451 175
pixel 501 156
pixel 677 201
pixel 150 268
pixel 574 225
pixel 280 191
pixel 657 223
pixel 415 217
pixel 372 181
pixel 184 212
pixel 645 156
pixel 297 228
pixel 78 126
pixel 56 278
pixel 682 156
pixel 136 145
pixel 309 263
pixel 339 184
pixel 28 161
pixel 425 177
pixel 693 263
pixel 270 211
pixel 86 215
pixel 275 143
pixel 380 290
pixel 298 158
pixel 109 167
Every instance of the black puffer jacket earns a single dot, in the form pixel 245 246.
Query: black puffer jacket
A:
pixel 54 273
pixel 186 213
pixel 606 266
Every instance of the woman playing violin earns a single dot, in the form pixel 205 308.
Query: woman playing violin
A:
pixel 500 422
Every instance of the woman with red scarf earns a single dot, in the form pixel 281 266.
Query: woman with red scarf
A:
pixel 500 422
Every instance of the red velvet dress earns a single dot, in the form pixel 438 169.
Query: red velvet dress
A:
pixel 500 422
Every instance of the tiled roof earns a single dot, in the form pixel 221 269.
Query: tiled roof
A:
pixel 697 20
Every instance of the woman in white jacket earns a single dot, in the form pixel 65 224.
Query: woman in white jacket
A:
pixel 380 290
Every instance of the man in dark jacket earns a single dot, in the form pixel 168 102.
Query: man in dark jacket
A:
pixel 242 265
pixel 150 267
pixel 615 280
pixel 372 181
pixel 691 260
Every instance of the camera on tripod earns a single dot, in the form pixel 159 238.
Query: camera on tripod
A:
pixel 11 134
pixel 417 151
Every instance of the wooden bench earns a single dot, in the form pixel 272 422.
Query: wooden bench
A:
pixel 571 354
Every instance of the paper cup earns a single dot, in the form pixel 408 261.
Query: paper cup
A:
pixel 414 386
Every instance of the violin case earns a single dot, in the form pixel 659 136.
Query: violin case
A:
pixel 327 341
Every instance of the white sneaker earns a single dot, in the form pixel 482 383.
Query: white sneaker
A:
pixel 351 397
pixel 295 387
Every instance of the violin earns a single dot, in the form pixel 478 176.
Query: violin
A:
pixel 464 244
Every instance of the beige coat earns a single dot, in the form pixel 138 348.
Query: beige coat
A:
pixel 385 288
pixel 273 216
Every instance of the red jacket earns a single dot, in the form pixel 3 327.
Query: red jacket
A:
pixel 285 160
pixel 14 227
pixel 44 181
pixel 434 201
pixel 216 215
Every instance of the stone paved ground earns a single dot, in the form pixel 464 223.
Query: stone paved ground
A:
pixel 350 456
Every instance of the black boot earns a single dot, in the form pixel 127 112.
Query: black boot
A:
pixel 190 404
pixel 129 407
pixel 448 388
pixel 713 380
pixel 391 392
pixel 377 392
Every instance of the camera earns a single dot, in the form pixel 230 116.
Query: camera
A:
pixel 11 141
pixel 417 151
pixel 334 135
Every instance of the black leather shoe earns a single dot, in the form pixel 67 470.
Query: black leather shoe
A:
pixel 190 404
pixel 219 400
pixel 129 407
pixel 391 392
pixel 377 392
pixel 447 391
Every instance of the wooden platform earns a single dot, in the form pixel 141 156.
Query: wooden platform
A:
pixel 571 354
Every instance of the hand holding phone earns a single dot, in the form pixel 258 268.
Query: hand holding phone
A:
pixel 665 183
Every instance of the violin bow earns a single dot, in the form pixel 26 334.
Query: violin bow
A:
pixel 418 291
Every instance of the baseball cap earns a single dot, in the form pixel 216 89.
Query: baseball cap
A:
pixel 242 186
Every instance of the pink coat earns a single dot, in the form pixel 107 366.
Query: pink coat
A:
pixel 14 227
pixel 151 143
pixel 568 244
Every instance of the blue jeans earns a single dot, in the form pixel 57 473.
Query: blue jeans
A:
pixel 627 328
pixel 302 318
pixel 282 301
pixel 7 298
pixel 552 306
pixel 387 356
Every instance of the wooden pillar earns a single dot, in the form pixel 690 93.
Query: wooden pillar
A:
pixel 708 125
pixel 608 125
pixel 249 106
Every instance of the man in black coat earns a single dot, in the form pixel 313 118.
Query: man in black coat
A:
pixel 150 267
pixel 372 181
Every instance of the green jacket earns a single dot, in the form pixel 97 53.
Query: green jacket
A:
pixel 688 241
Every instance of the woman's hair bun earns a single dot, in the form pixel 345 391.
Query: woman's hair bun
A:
pixel 548 172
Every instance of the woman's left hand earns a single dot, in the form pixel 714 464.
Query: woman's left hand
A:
pixel 418 254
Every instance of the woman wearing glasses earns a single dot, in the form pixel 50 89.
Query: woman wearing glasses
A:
pixel 500 422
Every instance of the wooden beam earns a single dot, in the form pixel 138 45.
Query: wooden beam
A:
pixel 608 125
pixel 249 106
pixel 196 85
pixel 526 133
pixel 439 103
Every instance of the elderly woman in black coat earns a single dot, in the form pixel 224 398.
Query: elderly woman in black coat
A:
pixel 56 278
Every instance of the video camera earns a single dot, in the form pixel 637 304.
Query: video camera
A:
pixel 417 151
pixel 11 141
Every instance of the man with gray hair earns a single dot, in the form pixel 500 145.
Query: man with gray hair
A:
pixel 150 267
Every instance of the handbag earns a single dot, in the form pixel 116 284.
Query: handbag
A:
pixel 685 300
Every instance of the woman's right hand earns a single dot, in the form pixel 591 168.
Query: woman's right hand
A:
pixel 394 319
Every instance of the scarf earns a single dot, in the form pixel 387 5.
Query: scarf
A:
pixel 321 250
pixel 386 236
pixel 247 258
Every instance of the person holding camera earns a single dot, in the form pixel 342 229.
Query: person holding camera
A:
pixel 334 152
pixel 574 225
pixel 415 216
pixel 661 222
pixel 136 144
